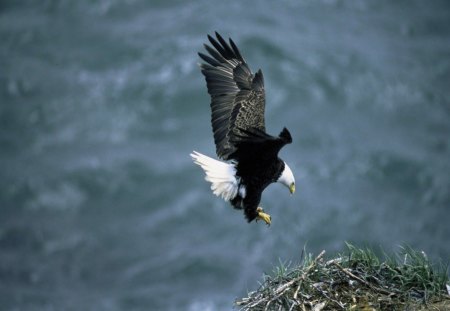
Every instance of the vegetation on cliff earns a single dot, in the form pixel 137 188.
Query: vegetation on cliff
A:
pixel 357 279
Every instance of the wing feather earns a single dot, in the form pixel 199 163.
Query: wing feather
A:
pixel 256 144
pixel 237 95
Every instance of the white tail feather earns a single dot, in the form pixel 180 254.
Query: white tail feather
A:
pixel 221 175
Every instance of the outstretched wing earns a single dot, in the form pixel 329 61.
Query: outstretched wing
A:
pixel 237 95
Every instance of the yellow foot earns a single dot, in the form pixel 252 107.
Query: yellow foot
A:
pixel 263 216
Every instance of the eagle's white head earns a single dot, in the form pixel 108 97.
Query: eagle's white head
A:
pixel 287 178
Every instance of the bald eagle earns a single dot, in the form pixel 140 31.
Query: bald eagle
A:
pixel 250 155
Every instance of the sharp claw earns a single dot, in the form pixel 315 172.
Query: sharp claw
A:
pixel 263 216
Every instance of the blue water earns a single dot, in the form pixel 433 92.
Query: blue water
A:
pixel 101 103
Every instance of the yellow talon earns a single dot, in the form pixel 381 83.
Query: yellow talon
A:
pixel 263 216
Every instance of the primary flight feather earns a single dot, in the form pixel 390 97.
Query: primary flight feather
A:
pixel 237 118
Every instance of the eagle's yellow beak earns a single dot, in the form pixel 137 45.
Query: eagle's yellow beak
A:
pixel 292 188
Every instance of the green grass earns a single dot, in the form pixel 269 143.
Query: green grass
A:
pixel 357 279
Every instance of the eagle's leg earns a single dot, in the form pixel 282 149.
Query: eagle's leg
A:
pixel 263 216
